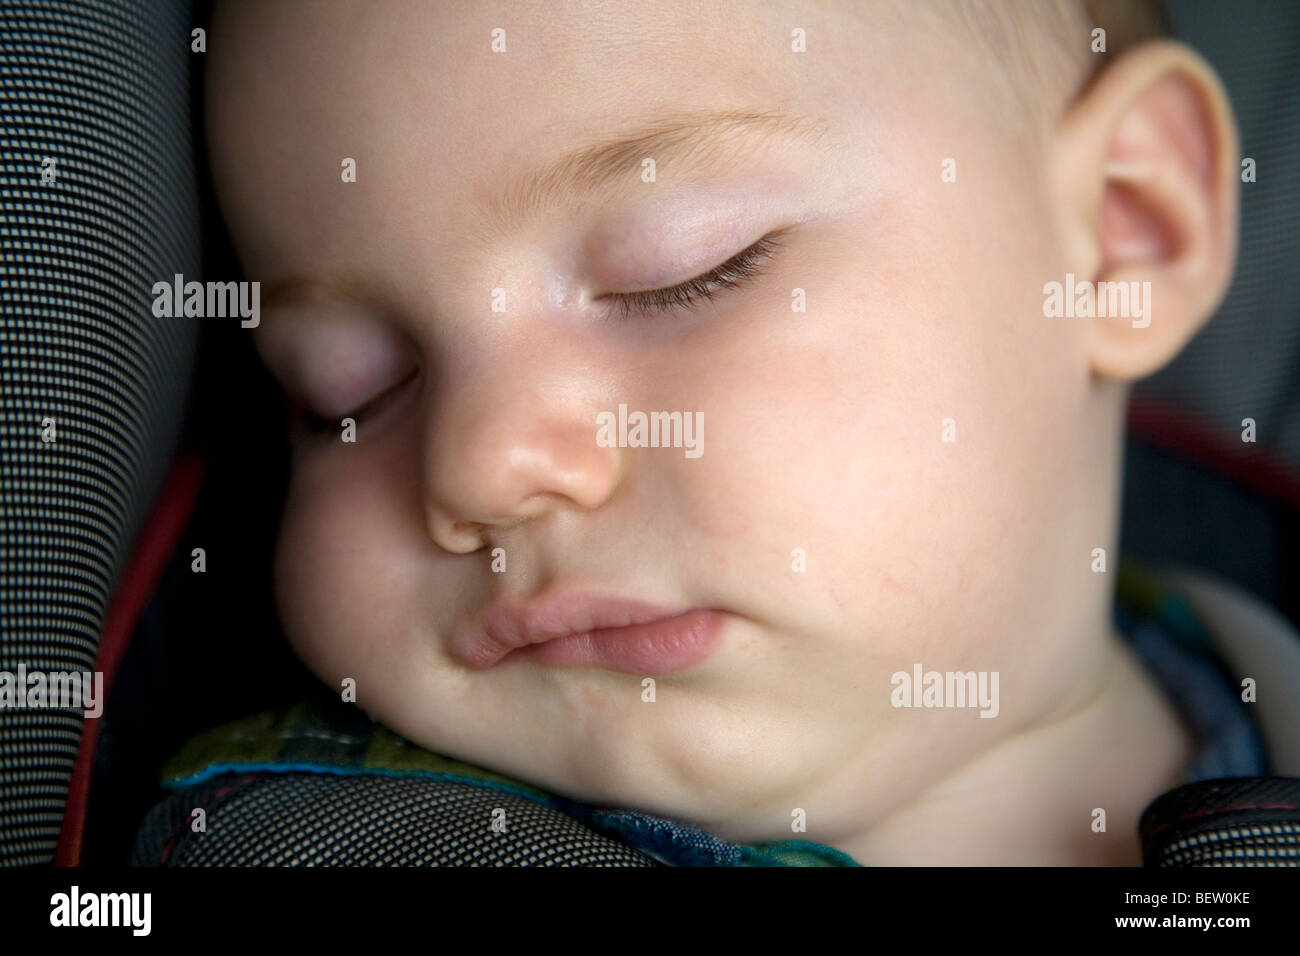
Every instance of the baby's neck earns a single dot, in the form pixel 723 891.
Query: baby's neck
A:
pixel 1032 800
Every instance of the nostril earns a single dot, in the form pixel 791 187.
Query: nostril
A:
pixel 456 537
pixel 468 529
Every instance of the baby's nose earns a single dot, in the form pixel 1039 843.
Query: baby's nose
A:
pixel 501 453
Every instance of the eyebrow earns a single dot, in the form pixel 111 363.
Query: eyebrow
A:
pixel 335 286
pixel 616 160
pixel 606 164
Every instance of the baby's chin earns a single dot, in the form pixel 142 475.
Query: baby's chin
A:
pixel 709 760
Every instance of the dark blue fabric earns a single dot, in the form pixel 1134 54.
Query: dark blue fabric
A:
pixel 680 844
pixel 669 841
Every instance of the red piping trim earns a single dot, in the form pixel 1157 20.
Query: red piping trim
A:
pixel 153 550
pixel 1183 434
pixel 1229 808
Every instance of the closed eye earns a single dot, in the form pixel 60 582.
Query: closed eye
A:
pixel 315 424
pixel 735 271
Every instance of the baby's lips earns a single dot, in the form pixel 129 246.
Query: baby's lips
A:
pixel 506 627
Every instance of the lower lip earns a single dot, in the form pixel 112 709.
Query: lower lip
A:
pixel 660 647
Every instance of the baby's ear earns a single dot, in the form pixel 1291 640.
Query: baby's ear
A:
pixel 1144 165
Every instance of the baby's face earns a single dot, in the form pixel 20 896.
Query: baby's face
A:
pixel 837 534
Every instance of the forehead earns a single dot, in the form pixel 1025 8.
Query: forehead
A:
pixel 460 108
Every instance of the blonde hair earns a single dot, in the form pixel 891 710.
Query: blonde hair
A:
pixel 1044 49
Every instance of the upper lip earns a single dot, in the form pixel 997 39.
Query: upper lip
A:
pixel 505 627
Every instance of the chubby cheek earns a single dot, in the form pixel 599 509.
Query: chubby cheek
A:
pixel 348 560
pixel 828 492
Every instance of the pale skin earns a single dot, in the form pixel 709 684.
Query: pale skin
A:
pixel 823 428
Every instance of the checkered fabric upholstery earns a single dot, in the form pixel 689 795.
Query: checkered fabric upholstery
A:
pixel 101 88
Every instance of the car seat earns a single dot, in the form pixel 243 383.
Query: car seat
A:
pixel 127 441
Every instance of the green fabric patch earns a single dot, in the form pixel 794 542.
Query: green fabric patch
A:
pixel 304 735
pixel 395 754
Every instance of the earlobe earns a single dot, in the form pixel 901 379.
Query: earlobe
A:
pixel 1145 164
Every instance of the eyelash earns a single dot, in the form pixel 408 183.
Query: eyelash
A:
pixel 741 267
pixel 318 427
pixel 314 425
pixel 735 271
